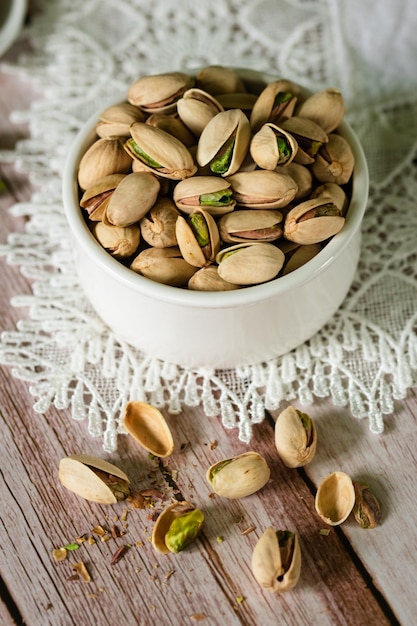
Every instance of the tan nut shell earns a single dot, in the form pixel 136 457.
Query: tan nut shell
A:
pixel 96 198
pixel 164 521
pixel 146 424
pixel 77 475
pixel 120 241
pixel 250 263
pixel 217 79
pixel 158 226
pixel 116 120
pixel 105 156
pixel 196 108
pixel 326 108
pixel 157 93
pixel 187 194
pixel 304 129
pixel 250 225
pixel 264 110
pixel 335 498
pixel 300 256
pixel 132 198
pixel 189 246
pixel 262 189
pixel 264 147
pixel 163 265
pixel 173 126
pixel 311 230
pixel 242 476
pixel 208 279
pixel 267 566
pixel 334 162
pixel 291 441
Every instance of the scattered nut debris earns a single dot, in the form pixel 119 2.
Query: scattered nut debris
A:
pixel 82 571
pixel 248 530
pixel 324 531
pixel 214 444
pixel 198 617
pixel 59 554
pixel 169 574
pixel 99 530
pixel 120 552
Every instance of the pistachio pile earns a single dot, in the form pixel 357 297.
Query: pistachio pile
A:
pixel 212 183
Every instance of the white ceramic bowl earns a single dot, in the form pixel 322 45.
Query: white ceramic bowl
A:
pixel 223 329
pixel 12 15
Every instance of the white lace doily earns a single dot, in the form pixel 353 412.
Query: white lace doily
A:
pixel 87 50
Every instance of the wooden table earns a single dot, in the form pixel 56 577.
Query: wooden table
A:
pixel 349 576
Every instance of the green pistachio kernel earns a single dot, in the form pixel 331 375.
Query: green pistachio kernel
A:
pixel 219 468
pixel 307 425
pixel 284 150
pixel 221 164
pixel 184 530
pixel 200 229
pixel 137 151
pixel 218 198
pixel 286 539
pixel 282 97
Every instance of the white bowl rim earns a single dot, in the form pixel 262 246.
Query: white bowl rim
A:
pixel 11 28
pixel 218 299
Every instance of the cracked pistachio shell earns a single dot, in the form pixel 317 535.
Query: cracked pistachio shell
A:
pixel 217 79
pixel 96 198
pixel 326 108
pixel 335 161
pixel 163 265
pixel 160 153
pixel 367 509
pixel 239 476
pixel 302 177
pixel 198 238
pixel 250 263
pixel 224 142
pixel 120 241
pixel 272 146
pixel 93 479
pixel 299 256
pixel 132 199
pixel 334 193
pixel 208 279
pixel 262 189
pixel 117 119
pixel 146 424
pixel 173 126
pixel 335 498
pixel 251 225
pixel 276 560
pixel 313 221
pixel 158 226
pixel 196 108
pixel 157 93
pixel 212 193
pixel 176 527
pixel 295 437
pixel 104 157
pixel 309 136
pixel 275 103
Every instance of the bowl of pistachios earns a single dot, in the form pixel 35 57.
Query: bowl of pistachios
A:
pixel 216 214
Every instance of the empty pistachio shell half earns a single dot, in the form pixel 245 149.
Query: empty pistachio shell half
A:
pixel 239 476
pixel 295 437
pixel 335 498
pixel 148 426
pixel 276 560
pixel 93 479
pixel 176 527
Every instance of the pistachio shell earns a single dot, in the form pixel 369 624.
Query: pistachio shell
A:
pixel 196 108
pixel 204 192
pixel 132 198
pixel 262 189
pixel 335 161
pixel 208 279
pixel 116 120
pixel 90 478
pixel 105 156
pixel 169 515
pixel 158 226
pixel 266 150
pixel 276 560
pixel 173 126
pixel 217 79
pixel 313 221
pixel 148 426
pixel 163 265
pixel 250 225
pixel 196 252
pixel 96 198
pixel 326 108
pixel 300 256
pixel 301 176
pixel 239 476
pixel 269 107
pixel 120 241
pixel 295 437
pixel 159 92
pixel 335 498
pixel 334 193
pixel 250 263
pixel 309 136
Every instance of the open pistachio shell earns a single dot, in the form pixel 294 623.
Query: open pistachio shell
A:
pixel 159 92
pixel 172 125
pixel 313 221
pixel 250 263
pixel 333 192
pixel 276 560
pixel 132 198
pixel 262 189
pixel 275 103
pixel 301 176
pixel 295 437
pixel 272 146
pixel 211 193
pixel 251 225
pixel 196 108
pixel 309 136
pixel 198 238
pixel 176 527
pixel 105 156
pixel 148 426
pixel 335 498
pixel 326 108
pixel 96 198
pixel 239 476
pixel 93 479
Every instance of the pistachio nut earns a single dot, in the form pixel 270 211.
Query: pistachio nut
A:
pixel 93 479
pixel 198 238
pixel 120 241
pixel 295 437
pixel 163 265
pixel 313 221
pixel 196 108
pixel 96 198
pixel 154 150
pixel 335 193
pixel 172 125
pixel 176 527
pixel 272 146
pixel 217 79
pixel 335 161
pixel 326 108
pixel 299 256
pixel 105 156
pixel 132 198
pixel 146 424
pixel 250 263
pixel 208 279
pixel 367 509
pixel 335 498
pixel 276 560
pixel 211 193
pixel 251 225
pixel 239 476
pixel 309 137
pixel 159 92
pixel 302 177
pixel 115 121
pixel 262 189
pixel 158 226
pixel 275 103
pixel 224 142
